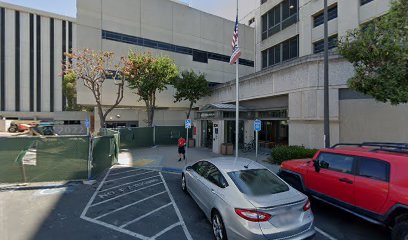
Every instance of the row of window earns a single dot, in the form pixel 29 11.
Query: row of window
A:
pixel 280 17
pixel 281 52
pixel 198 55
pixel 360 166
pixel 362 2
pixel 35 56
pixel 319 18
pixel 319 45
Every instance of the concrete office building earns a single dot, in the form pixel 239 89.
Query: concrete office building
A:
pixel 286 92
pixel 194 39
pixel 32 44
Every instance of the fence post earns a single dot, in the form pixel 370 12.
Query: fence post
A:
pixel 154 135
pixel 90 156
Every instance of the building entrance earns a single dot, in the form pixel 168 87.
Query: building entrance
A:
pixel 207 134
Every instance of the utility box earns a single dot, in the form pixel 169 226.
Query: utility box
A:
pixel 223 148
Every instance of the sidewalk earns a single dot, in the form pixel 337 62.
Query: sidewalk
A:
pixel 166 157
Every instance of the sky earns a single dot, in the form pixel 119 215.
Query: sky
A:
pixel 222 8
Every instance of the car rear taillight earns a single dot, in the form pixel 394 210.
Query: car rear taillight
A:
pixel 252 215
pixel 307 206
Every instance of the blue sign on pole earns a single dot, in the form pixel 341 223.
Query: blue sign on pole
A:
pixel 187 123
pixel 257 125
pixel 87 123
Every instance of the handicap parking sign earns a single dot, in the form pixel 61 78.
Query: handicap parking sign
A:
pixel 257 125
pixel 87 123
pixel 187 123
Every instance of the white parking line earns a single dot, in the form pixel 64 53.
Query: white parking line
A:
pixel 133 170
pixel 165 230
pixel 128 176
pixel 121 195
pixel 113 227
pixel 145 215
pixel 325 234
pixel 188 235
pixel 129 205
pixel 104 190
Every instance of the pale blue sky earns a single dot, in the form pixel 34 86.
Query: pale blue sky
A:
pixel 223 8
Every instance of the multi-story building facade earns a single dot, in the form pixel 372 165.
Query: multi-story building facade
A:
pixel 194 39
pixel 286 92
pixel 32 46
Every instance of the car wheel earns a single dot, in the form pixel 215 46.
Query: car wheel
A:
pixel 12 129
pixel 400 231
pixel 218 227
pixel 183 183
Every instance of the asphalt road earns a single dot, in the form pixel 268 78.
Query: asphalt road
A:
pixel 131 203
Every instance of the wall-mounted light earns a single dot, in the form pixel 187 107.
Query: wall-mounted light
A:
pixel 291 6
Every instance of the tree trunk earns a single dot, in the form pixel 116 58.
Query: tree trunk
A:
pixel 101 116
pixel 189 110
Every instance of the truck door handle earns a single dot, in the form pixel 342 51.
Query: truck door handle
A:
pixel 346 180
pixel 212 190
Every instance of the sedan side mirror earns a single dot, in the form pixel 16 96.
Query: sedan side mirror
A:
pixel 316 165
pixel 188 168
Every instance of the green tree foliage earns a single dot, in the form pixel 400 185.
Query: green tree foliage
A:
pixel 70 93
pixel 379 53
pixel 148 75
pixel 191 87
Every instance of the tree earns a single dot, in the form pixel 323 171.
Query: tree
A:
pixel 148 75
pixel 93 68
pixel 191 87
pixel 70 93
pixel 379 54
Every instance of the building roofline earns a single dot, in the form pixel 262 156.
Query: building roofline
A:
pixel 36 11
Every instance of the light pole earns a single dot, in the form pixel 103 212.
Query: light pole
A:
pixel 326 80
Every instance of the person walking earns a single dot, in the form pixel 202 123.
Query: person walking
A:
pixel 181 148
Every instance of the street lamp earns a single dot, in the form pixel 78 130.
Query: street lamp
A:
pixel 326 80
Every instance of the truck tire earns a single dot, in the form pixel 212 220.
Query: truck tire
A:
pixel 400 231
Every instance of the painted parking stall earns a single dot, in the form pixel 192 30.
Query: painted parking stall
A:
pixel 129 200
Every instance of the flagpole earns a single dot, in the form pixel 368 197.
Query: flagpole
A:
pixel 236 103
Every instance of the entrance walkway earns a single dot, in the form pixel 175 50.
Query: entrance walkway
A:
pixel 166 157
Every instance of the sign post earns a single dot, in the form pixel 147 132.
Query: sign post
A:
pixel 87 125
pixel 257 128
pixel 187 125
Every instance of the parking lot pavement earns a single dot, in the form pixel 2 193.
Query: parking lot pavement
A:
pixel 135 203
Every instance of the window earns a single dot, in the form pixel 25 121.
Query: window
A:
pixel 200 56
pixel 264 26
pixel 257 182
pixel 336 162
pixel 373 169
pixel 362 2
pixel 264 58
pixel 319 45
pixel 201 167
pixel 215 176
pixel 263 1
pixel 281 52
pixel 319 18
pixel 280 17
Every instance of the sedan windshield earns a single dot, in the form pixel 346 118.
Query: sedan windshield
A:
pixel 258 182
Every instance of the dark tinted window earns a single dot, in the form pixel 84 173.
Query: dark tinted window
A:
pixel 362 2
pixel 373 168
pixel 264 59
pixel 336 162
pixel 319 45
pixel 286 50
pixel 257 182
pixel 200 56
pixel 215 176
pixel 319 19
pixel 201 167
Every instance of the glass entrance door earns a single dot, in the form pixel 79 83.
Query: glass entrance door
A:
pixel 207 133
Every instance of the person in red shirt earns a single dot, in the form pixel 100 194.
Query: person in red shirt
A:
pixel 181 148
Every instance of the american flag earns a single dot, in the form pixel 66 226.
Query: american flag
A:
pixel 236 52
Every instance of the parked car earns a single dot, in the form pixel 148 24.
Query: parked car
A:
pixel 369 180
pixel 21 125
pixel 244 200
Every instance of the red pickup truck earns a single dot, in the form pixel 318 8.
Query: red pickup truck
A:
pixel 369 180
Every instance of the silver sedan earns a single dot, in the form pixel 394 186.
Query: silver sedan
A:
pixel 244 200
